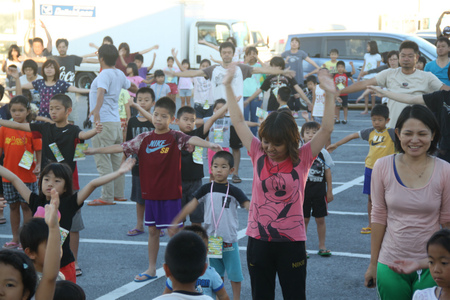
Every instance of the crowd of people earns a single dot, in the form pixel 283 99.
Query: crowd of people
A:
pixel 405 176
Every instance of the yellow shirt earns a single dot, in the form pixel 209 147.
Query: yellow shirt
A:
pixel 331 66
pixel 381 144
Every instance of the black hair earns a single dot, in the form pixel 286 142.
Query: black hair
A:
pixel 134 68
pixel 185 110
pixel 64 99
pixel 441 238
pixel 139 57
pixel 340 63
pixel 67 290
pixel 296 39
pixel 60 170
pixel 38 40
pixel 424 115
pixel 335 51
pixel 205 61
pixel 107 39
pixel 159 73
pixel 146 90
pixel 21 99
pixel 232 40
pixel 424 61
pixel 384 56
pixel 278 61
pixel 59 41
pixel 11 48
pixel 227 45
pixel 380 110
pixel 225 155
pixel 22 263
pixel 248 50
pixel 311 78
pixel 33 233
pixel 390 54
pixel 2 91
pixel 27 94
pixel 199 230
pixel 166 103
pixel 170 58
pixel 284 93
pixel 186 256
pixel 373 47
pixel 109 54
pixel 29 63
pixel 126 47
pixel 409 45
pixel 309 125
pixel 443 39
pixel 186 61
pixel 219 101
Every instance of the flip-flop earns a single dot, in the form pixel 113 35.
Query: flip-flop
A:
pixel 99 202
pixel 162 233
pixel 134 232
pixel 147 277
pixel 78 272
pixel 307 255
pixel 324 252
pixel 11 245
pixel 366 230
pixel 2 220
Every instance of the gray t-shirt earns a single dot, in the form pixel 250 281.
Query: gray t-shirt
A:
pixel 295 62
pixel 228 223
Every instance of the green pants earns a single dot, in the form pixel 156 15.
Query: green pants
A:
pixel 391 285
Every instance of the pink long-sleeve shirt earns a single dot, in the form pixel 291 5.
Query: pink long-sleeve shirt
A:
pixel 411 215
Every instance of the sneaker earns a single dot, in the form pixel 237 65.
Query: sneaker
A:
pixel 344 122
pixel 338 121
pixel 236 179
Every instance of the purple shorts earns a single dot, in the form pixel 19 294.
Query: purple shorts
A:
pixel 160 213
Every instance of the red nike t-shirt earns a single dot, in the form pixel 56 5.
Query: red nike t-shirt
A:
pixel 159 162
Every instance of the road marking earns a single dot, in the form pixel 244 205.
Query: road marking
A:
pixel 348 185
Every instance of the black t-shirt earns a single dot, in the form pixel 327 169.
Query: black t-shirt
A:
pixel 67 67
pixel 68 206
pixel 135 128
pixel 276 81
pixel 439 103
pixel 316 185
pixel 66 138
pixel 189 169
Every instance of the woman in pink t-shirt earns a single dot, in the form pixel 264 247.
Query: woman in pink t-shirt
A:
pixel 275 224
pixel 410 201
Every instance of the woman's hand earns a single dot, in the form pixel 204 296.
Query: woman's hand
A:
pixel 405 266
pixel 370 278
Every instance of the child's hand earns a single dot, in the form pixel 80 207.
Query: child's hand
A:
pixel 13 72
pixel 122 52
pixel 330 196
pixel 90 151
pixel 156 47
pixel 331 148
pixel 174 52
pixel 92 45
pixel 37 169
pixel 51 210
pixel 339 99
pixel 131 102
pixel 42 24
pixel 126 166
pixel 230 74
pixel 326 83
pixel 98 127
pixel 215 147
pixel 238 98
pixel 350 63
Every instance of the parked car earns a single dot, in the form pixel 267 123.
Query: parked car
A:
pixel 352 47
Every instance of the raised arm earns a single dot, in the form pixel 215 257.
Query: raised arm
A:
pixel 346 139
pixel 46 288
pixel 15 125
pixel 89 60
pixel 207 125
pixel 153 63
pixel 403 98
pixel 49 38
pixel 125 167
pixel 86 135
pixel 93 45
pixel 358 86
pixel 353 68
pixel 237 119
pixel 141 110
pixel 148 49
pixel 26 45
pixel 18 184
pixel 324 133
pixel 174 54
pixel 75 89
pixel 203 42
pixel 438 24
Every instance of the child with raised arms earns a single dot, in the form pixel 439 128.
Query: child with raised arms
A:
pixel 19 148
pixel 221 200
pixel 276 224
pixel 159 153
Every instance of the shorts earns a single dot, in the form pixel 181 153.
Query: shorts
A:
pixel 185 93
pixel 160 213
pixel 230 262
pixel 69 272
pixel 173 88
pixel 318 120
pixel 136 193
pixel 189 188
pixel 367 179
pixel 211 154
pixel 77 222
pixel 11 195
pixel 319 207
pixel 235 141
pixel 123 124
pixel 344 101
pixel 201 113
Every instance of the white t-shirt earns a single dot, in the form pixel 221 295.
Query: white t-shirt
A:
pixel 183 296
pixel 417 83
pixel 426 294
pixel 202 91
pixel 319 103
pixel 371 63
pixel 113 81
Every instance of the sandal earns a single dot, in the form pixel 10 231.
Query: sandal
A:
pixel 11 245
pixel 78 272
pixel 3 220
pixel 366 230
pixel 236 179
pixel 134 232
pixel 324 252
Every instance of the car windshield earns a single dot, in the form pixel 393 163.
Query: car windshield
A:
pixel 241 33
